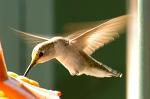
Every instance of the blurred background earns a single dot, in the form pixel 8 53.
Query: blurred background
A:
pixel 48 17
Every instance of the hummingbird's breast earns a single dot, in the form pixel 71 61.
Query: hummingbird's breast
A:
pixel 72 59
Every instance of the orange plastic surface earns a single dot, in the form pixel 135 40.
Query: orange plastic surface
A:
pixel 11 87
pixel 18 89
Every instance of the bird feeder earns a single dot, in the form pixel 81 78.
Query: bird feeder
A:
pixel 13 87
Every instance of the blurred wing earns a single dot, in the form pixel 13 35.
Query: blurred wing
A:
pixel 96 37
pixel 80 27
pixel 30 37
pixel 77 26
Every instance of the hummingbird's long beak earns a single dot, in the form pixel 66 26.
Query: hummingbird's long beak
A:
pixel 29 67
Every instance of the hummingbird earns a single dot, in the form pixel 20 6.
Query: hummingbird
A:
pixel 74 51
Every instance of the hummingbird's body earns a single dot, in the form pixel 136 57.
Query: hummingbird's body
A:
pixel 77 62
pixel 74 50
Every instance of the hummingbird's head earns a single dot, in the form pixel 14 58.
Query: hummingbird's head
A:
pixel 41 53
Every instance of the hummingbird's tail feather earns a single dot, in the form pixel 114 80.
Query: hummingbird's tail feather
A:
pixel 118 74
pixel 98 69
pixel 113 73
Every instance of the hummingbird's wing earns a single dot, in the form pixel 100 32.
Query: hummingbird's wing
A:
pixel 75 27
pixel 30 37
pixel 94 38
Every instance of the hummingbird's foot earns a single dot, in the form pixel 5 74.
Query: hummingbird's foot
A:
pixel 74 73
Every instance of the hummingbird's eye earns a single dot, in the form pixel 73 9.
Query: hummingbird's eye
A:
pixel 41 54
